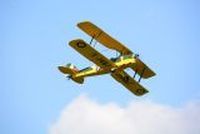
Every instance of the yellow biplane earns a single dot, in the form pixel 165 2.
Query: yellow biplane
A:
pixel 114 66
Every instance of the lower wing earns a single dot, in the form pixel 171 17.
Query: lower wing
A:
pixel 128 82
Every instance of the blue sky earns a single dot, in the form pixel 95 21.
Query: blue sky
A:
pixel 34 41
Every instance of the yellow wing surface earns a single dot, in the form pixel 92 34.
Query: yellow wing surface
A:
pixel 90 53
pixel 128 82
pixel 105 39
pixel 143 70
pixel 102 37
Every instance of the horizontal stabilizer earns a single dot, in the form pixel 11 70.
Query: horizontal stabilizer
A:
pixel 71 70
pixel 68 69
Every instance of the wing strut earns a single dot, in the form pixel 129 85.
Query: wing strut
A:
pixel 95 37
pixel 135 74
pixel 141 75
pixel 92 40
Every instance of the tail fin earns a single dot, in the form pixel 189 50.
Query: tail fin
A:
pixel 71 70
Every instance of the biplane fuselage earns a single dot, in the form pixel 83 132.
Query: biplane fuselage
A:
pixel 103 65
pixel 121 63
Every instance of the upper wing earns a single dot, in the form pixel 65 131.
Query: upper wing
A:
pixel 103 37
pixel 129 83
pixel 90 53
pixel 143 70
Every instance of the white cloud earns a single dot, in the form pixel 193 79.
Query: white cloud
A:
pixel 85 116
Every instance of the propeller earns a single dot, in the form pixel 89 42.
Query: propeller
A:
pixel 136 55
